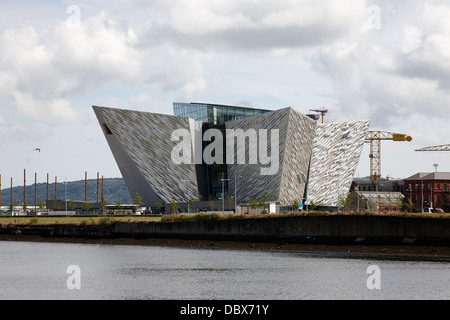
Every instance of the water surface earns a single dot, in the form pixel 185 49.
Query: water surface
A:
pixel 33 270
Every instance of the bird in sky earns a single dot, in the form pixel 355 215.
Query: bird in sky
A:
pixel 37 149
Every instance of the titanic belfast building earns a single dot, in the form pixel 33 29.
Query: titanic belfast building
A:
pixel 210 151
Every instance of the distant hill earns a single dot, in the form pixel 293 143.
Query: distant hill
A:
pixel 114 189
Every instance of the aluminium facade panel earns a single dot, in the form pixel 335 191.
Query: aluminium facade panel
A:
pixel 142 146
pixel 292 149
pixel 335 157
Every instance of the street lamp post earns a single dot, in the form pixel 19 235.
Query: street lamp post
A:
pixel 187 199
pixel 235 193
pixel 235 189
pixel 223 193
pixel 421 187
pixel 431 202
pixel 65 182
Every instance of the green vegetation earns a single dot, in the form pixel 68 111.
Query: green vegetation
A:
pixel 78 219
pixel 219 216
pixel 114 190
pixel 108 220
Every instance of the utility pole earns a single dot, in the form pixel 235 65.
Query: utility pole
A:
pixel 97 187
pixel 85 186
pixel 24 188
pixel 235 193
pixel 223 193
pixel 35 192
pixel 12 212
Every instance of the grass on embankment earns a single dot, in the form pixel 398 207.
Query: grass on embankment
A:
pixel 219 216
pixel 81 220
pixel 105 220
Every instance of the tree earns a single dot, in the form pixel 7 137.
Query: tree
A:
pixel 157 207
pixel 211 204
pixel 86 207
pixel 71 206
pixel 41 205
pixel 295 205
pixel 191 203
pixel 56 206
pixel 406 204
pixel 137 201
pixel 173 207
pixel 229 200
pixel 253 204
pixel 263 201
pixel 315 205
pixel 102 206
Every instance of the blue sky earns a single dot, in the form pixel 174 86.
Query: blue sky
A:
pixel 387 61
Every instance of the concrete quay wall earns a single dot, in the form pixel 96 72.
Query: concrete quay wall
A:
pixel 334 229
pixel 303 229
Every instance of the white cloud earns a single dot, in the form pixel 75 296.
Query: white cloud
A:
pixel 412 39
pixel 390 74
pixel 253 25
pixel 14 131
pixel 40 69
pixel 181 70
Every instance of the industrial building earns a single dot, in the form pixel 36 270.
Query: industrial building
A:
pixel 211 153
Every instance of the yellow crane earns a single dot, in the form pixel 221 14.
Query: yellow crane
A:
pixel 444 147
pixel 375 138
pixel 321 111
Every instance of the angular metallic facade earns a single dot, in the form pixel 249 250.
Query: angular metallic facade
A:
pixel 335 157
pixel 142 146
pixel 308 162
pixel 248 181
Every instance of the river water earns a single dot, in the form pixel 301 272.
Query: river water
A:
pixel 33 270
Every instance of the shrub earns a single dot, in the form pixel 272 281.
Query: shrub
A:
pixel 33 221
pixel 106 221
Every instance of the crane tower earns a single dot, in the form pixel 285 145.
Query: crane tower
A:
pixel 375 138
pixel 322 111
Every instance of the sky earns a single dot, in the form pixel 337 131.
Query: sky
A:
pixel 385 61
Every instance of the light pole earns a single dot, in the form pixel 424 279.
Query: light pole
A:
pixel 421 187
pixel 65 182
pixel 235 188
pixel 235 193
pixel 187 200
pixel 431 190
pixel 223 193
pixel 357 194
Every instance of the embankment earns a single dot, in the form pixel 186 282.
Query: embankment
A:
pixel 314 229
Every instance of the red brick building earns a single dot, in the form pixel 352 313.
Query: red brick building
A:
pixel 428 190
